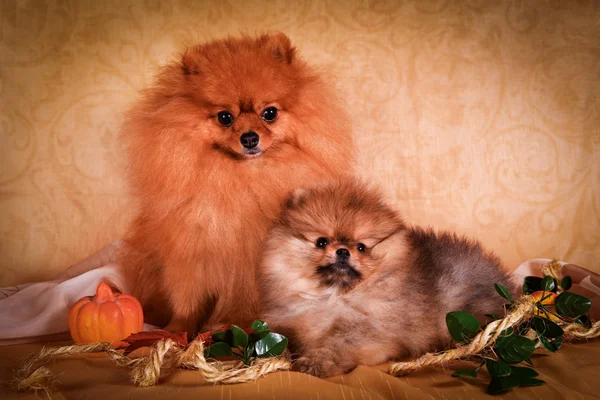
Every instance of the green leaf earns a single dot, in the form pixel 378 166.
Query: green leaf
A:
pixel 523 372
pixel 240 338
pixel 471 373
pixel 497 368
pixel 256 336
pixel 461 325
pixel 528 361
pixel 566 283
pixel 532 284
pixel 272 344
pixel 248 353
pixel 584 321
pixel 220 349
pixel 514 349
pixel 572 305
pixel 547 343
pixel 501 384
pixel 225 336
pixel 492 316
pixel 546 328
pixel 261 328
pixel 551 344
pixel 548 284
pixel 502 291
pixel 259 325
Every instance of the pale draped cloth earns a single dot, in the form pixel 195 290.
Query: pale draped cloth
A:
pixel 35 312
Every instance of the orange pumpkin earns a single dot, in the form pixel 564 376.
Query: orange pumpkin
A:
pixel 106 317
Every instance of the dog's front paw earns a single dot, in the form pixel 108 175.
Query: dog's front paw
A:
pixel 321 364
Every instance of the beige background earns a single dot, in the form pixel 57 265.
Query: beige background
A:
pixel 478 116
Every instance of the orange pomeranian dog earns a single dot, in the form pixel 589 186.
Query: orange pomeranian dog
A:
pixel 215 146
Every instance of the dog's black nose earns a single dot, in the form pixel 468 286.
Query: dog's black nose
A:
pixel 342 254
pixel 249 140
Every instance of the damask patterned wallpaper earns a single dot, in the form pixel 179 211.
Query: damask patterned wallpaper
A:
pixel 477 116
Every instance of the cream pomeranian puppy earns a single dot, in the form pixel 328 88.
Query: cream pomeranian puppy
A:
pixel 349 283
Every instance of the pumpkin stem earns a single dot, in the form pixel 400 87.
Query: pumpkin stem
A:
pixel 104 292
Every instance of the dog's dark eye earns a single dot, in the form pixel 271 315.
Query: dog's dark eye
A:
pixel 225 118
pixel 322 242
pixel 361 247
pixel 269 114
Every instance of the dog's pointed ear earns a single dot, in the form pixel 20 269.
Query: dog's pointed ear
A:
pixel 281 47
pixel 295 199
pixel 188 61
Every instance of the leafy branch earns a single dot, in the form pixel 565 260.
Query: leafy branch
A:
pixel 245 344
pixel 516 345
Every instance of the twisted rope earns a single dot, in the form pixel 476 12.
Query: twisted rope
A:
pixel 552 269
pixel 522 310
pixel 165 356
pixel 35 378
pixel 581 332
pixel 147 372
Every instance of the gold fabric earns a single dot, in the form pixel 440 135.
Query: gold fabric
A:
pixel 477 116
pixel 572 373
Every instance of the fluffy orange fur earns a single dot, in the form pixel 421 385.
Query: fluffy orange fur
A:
pixel 205 202
pixel 349 283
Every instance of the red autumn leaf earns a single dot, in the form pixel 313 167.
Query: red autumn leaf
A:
pixel 206 337
pixel 144 339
